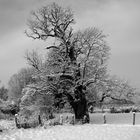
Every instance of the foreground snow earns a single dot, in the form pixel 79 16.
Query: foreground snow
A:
pixel 78 132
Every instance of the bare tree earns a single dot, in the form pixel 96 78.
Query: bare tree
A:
pixel 117 89
pixel 80 57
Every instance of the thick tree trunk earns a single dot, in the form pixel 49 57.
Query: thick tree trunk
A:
pixel 78 100
pixel 80 110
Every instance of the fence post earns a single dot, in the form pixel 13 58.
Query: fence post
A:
pixel 104 117
pixel 39 120
pixel 16 121
pixel 67 119
pixel 73 120
pixel 134 116
pixel 61 119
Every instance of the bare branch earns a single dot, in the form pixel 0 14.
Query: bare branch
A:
pixel 33 60
pixel 50 21
pixel 31 36
pixel 52 47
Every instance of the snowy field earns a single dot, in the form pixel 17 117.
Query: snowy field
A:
pixel 115 118
pixel 78 132
pixel 118 127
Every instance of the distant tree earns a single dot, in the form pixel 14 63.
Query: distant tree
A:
pixel 3 93
pixel 116 89
pixel 18 81
pixel 76 60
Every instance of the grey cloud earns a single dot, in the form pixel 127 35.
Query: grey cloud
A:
pixel 13 14
pixel 118 18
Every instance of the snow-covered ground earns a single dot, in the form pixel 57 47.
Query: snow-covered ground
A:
pixel 77 132
pixel 118 127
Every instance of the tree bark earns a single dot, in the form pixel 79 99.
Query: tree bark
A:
pixel 80 110
pixel 79 106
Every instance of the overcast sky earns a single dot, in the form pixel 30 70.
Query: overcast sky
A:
pixel 119 19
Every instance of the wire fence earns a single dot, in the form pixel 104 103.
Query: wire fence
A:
pixel 97 118
pixel 115 118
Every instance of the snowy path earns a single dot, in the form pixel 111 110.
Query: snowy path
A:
pixel 84 132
